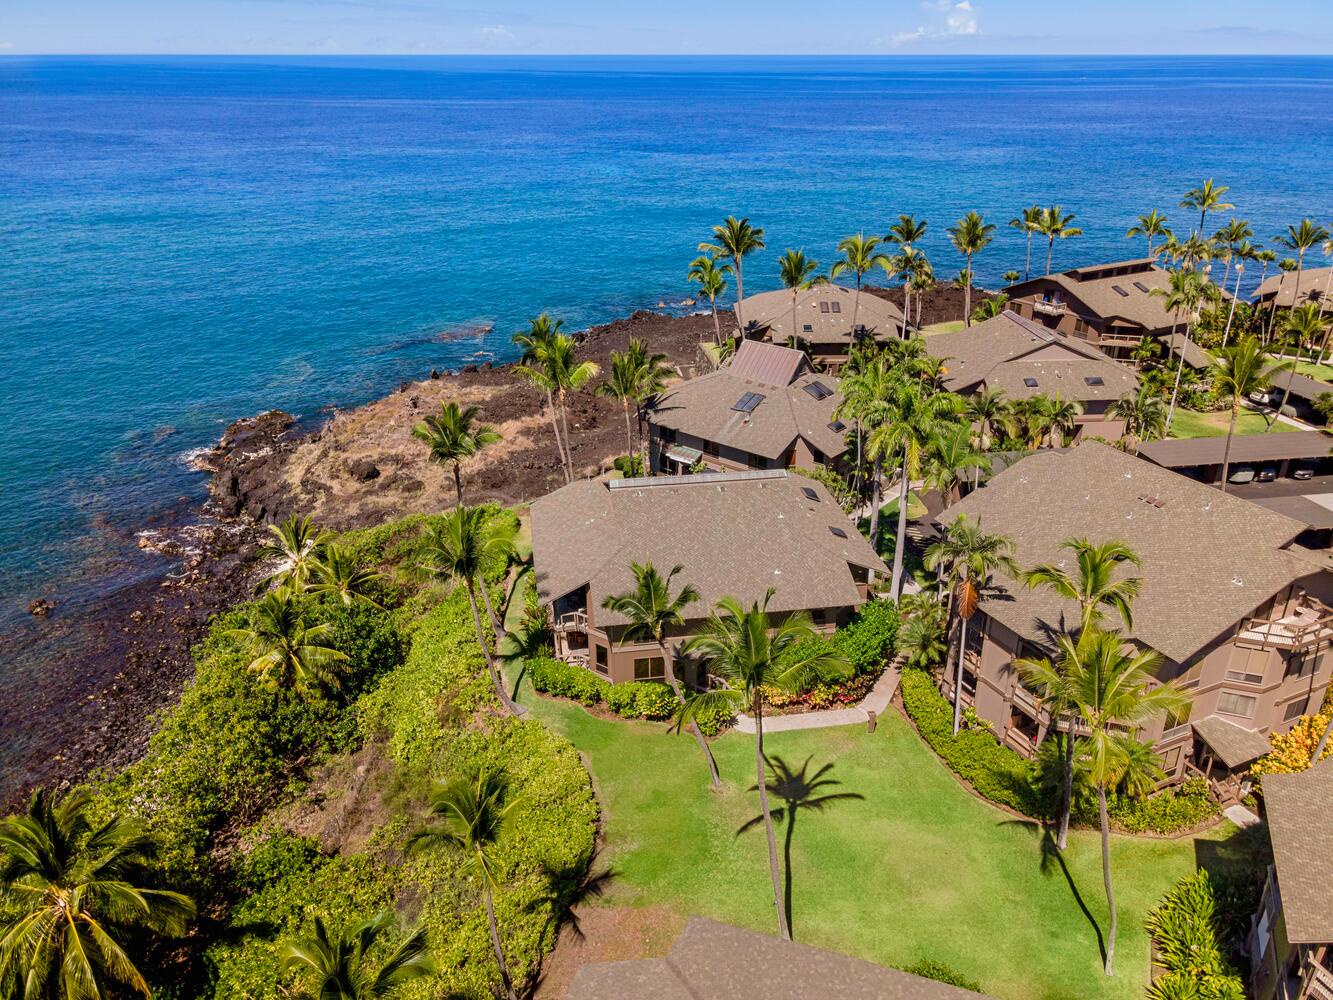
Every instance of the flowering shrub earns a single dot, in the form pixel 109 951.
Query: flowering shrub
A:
pixel 1294 749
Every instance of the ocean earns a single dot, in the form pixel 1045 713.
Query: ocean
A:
pixel 184 241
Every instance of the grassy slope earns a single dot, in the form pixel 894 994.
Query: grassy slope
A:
pixel 950 326
pixel 917 869
pixel 1191 424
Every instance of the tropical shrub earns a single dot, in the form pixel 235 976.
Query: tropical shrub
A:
pixel 714 719
pixel 1294 749
pixel 629 466
pixel 928 968
pixel 867 640
pixel 1185 932
pixel 1167 811
pixel 631 700
pixel 838 488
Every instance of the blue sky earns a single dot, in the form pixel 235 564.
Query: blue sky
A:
pixel 683 27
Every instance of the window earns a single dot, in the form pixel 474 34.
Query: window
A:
pixel 1094 380
pixel 649 668
pixel 837 427
pixel 1031 383
pixel 666 434
pixel 819 616
pixel 748 402
pixel 818 456
pixel 1294 710
pixel 1080 326
pixel 599 657
pixel 810 494
pixel 1179 718
pixel 711 449
pixel 1120 291
pixel 1244 678
pixel 823 307
pixel 756 461
pixel 835 307
pixel 1300 665
pixel 1171 760
pixel 837 531
pixel 818 389
pixel 807 328
pixel 1241 705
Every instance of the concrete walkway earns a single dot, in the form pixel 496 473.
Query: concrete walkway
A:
pixel 1241 816
pixel 876 701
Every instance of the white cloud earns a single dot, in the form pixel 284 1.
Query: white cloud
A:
pixel 962 20
pixel 6 46
pixel 948 19
pixel 494 29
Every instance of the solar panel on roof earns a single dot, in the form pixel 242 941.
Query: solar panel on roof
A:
pixel 806 327
pixel 748 402
pixel 1119 291
pixel 1094 380
pixel 837 531
pixel 810 493
pixel 837 427
pixel 1031 383
pixel 818 389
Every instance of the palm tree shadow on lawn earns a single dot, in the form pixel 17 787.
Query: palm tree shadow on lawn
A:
pixel 799 790
pixel 1052 859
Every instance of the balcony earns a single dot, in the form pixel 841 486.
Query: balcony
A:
pixel 1307 626
pixel 1320 986
pixel 1048 308
pixel 572 621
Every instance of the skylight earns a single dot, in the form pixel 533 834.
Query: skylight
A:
pixel 810 493
pixel 836 306
pixel 1031 383
pixel 818 389
pixel 823 307
pixel 1142 287
pixel 807 328
pixel 1119 291
pixel 837 531
pixel 837 427
pixel 1094 380
pixel 748 402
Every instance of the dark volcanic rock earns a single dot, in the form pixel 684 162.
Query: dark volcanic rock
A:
pixel 363 470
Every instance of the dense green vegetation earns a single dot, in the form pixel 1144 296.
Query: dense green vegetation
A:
pixel 1188 930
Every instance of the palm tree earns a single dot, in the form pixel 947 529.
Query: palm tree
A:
pixel 554 368
pixel 1183 296
pixel 1151 224
pixel 711 274
pixel 952 455
pixel 969 237
pixel 452 435
pixel 1300 239
pixel 533 367
pixel 476 815
pixel 72 886
pixel 906 232
pixel 1286 266
pixel 624 383
pixel 1144 414
pixel 1230 237
pixel 796 270
pixel 339 575
pixel 341 968
pixel 864 395
pixel 652 610
pixel 1011 276
pixel 1028 223
pixel 1238 371
pixel 920 279
pixel 860 254
pixel 1241 252
pixel 1061 417
pixel 735 240
pixel 459 548
pixel 921 636
pixel 745 650
pixel 968 558
pixel 636 377
pixel 991 308
pixel 1114 688
pixel 1144 352
pixel 1206 198
pixel 288 654
pixel 298 545
pixel 1305 324
pixel 986 410
pixel 1051 686
pixel 1055 225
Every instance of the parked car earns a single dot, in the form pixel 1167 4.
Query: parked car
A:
pixel 1245 474
pixel 1259 396
pixel 1266 474
pixel 1303 470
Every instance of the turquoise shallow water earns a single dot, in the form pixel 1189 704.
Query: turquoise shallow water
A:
pixel 185 241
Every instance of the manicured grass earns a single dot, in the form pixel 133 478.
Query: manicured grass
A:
pixel 1322 372
pixel 916 868
pixel 951 326
pixel 1192 424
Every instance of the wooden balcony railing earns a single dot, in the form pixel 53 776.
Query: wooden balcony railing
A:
pixel 1048 308
pixel 572 621
pixel 1320 986
pixel 1307 626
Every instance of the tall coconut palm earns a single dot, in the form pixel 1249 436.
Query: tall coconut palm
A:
pixel 951 459
pixel 459 549
pixel 1299 239
pixel 554 367
pixel 711 275
pixel 1056 225
pixel 1184 296
pixel 796 270
pixel 637 375
pixel 748 652
pixel 624 382
pixel 534 367
pixel 339 575
pixel 969 236
pixel 297 545
pixel 339 967
pixel 288 654
pixel 452 435
pixel 860 255
pixel 906 232
pixel 1287 266
pixel 1115 692
pixel 474 815
pixel 864 398
pixel 921 279
pixel 1228 238
pixel 986 411
pixel 73 888
pixel 1240 252
pixel 1151 225
pixel 1061 418
pixel 652 611
pixel 735 239
pixel 1237 371
pixel 967 559
pixel 1205 198
pixel 1027 223
pixel 1304 324
pixel 1143 413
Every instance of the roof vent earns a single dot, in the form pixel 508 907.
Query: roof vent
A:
pixel 1238 581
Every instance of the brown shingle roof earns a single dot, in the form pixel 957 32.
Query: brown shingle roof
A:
pixel 703 406
pixel 713 961
pixel 1314 287
pixel 1302 386
pixel 771 312
pixel 1095 287
pixel 1233 744
pixel 734 534
pixel 1209 559
pixel 1299 807
pixel 1179 453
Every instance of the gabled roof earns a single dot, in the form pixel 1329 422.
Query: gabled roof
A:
pixel 827 309
pixel 1179 453
pixel 1233 744
pixel 802 406
pixel 713 961
pixel 1209 559
pixel 1118 291
pixel 1299 825
pixel 1282 286
pixel 734 534
pixel 1302 386
pixel 1007 350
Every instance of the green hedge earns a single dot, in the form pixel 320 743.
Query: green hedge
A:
pixel 1185 929
pixel 1168 811
pixel 630 700
pixel 993 770
pixel 866 641
pixel 928 968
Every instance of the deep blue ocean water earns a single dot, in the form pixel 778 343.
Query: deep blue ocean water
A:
pixel 185 241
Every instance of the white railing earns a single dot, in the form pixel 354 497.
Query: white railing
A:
pixel 572 621
pixel 1048 308
pixel 1321 984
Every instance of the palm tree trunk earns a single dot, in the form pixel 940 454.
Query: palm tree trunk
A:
pixel 564 426
pixel 762 770
pixel 897 588
pixel 496 625
pixel 674 682
pixel 1106 877
pixel 1050 253
pixel 500 691
pixel 1180 367
pixel 1027 267
pixel 967 294
pixel 1067 797
pixel 1286 391
pixel 1231 430
pixel 458 486
pixel 717 323
pixel 1323 742
pixel 856 306
pixel 793 317
pixel 643 440
pixel 1232 311
pixel 876 498
pixel 740 295
pixel 629 432
pixel 495 944
pixel 555 426
pixel 1272 312
pixel 958 677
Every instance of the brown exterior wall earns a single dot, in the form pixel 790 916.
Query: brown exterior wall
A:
pixel 1279 969
pixel 722 458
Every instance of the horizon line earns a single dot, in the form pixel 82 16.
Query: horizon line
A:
pixel 805 56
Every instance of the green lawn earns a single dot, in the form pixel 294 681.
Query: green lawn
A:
pixel 1192 424
pixel 1322 372
pixel 949 326
pixel 917 868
